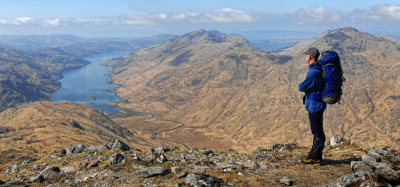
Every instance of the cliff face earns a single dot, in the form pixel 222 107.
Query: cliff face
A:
pixel 27 76
pixel 222 86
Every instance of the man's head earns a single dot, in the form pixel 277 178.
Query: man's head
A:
pixel 312 55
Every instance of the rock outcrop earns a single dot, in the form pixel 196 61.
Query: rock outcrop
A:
pixel 380 167
pixel 278 164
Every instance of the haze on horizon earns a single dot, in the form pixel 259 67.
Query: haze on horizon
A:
pixel 138 18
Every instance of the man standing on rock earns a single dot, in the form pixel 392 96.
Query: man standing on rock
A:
pixel 312 86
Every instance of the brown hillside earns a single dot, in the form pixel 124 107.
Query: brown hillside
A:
pixel 43 127
pixel 27 76
pixel 223 87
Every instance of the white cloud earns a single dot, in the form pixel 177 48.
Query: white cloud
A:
pixel 227 15
pixel 53 22
pixel 387 11
pixel 3 21
pixel 318 15
pixel 22 20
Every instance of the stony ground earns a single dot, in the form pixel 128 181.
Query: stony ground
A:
pixel 117 164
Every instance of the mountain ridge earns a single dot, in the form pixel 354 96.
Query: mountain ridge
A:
pixel 237 92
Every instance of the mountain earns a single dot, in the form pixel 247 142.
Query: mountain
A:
pixel 97 46
pixel 39 128
pixel 32 75
pixel 80 46
pixel 225 88
pixel 37 41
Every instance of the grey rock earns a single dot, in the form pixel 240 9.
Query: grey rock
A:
pixel 52 168
pixel 154 171
pixel 286 180
pixel 387 173
pixel 177 185
pixel 38 179
pixel 116 144
pixel 136 157
pixel 159 150
pixel 96 148
pixel 70 149
pixel 209 152
pixel 14 168
pixel 359 166
pixel 161 159
pixel 73 181
pixel 75 149
pixel 203 180
pixel 336 141
pixel 79 149
pixel 116 158
pixel 357 178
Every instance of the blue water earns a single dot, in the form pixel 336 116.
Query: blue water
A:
pixel 90 81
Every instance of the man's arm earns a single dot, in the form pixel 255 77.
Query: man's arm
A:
pixel 309 82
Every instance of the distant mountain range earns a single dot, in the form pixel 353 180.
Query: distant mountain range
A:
pixel 222 86
pixel 71 43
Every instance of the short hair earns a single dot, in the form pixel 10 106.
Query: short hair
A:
pixel 314 52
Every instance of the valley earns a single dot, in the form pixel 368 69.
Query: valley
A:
pixel 202 90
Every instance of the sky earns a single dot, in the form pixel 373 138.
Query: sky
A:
pixel 138 18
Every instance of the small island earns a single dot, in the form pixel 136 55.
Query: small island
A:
pixel 91 98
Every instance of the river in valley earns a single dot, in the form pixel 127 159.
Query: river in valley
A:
pixel 89 84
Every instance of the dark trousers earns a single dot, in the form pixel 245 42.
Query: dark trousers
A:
pixel 316 123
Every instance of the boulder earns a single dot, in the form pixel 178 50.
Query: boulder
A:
pixel 203 180
pixel 154 171
pixel 52 168
pixel 336 141
pixel 116 158
pixel 161 159
pixel 38 178
pixel 116 144
pixel 75 149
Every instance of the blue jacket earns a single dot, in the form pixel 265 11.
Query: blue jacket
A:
pixel 313 86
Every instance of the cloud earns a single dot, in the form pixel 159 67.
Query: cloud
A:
pixel 53 22
pixel 318 15
pixel 387 11
pixel 17 21
pixel 22 20
pixel 225 15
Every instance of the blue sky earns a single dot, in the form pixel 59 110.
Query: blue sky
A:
pixel 113 18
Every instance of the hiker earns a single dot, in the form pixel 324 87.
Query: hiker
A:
pixel 313 86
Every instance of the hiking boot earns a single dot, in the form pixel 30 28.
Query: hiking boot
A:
pixel 308 160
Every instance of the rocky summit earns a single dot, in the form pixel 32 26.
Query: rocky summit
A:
pixel 275 165
pixel 226 89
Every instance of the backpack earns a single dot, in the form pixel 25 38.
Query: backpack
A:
pixel 333 77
